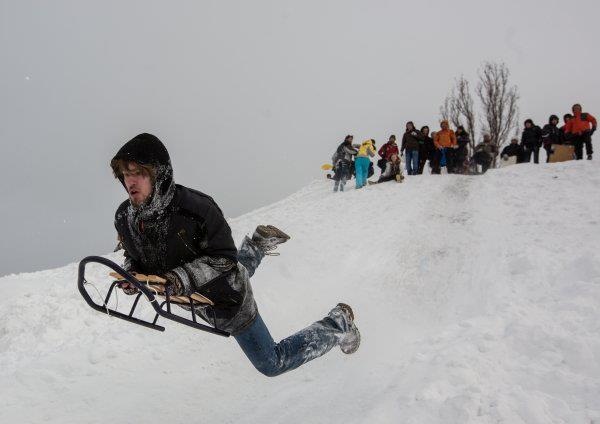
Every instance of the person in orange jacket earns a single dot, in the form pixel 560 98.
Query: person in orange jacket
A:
pixel 579 130
pixel 445 141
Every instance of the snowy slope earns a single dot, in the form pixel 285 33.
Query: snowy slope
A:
pixel 477 298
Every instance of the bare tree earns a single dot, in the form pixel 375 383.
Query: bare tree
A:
pixel 466 106
pixel 498 101
pixel 459 107
pixel 448 110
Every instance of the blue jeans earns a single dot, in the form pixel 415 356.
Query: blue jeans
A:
pixel 272 358
pixel 412 162
pixel 250 255
pixel 361 168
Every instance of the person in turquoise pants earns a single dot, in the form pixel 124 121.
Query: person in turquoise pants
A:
pixel 362 162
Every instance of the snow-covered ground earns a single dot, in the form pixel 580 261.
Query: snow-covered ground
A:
pixel 478 299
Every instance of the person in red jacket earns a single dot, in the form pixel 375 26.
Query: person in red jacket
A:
pixel 386 151
pixel 579 130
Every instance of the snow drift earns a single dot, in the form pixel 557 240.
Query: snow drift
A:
pixel 477 298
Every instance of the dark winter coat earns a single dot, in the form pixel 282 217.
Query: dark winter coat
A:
pixel 345 151
pixel 532 137
pixel 411 140
pixel 427 147
pixel 551 134
pixel 183 232
pixel 485 152
pixel 463 139
pixel 512 150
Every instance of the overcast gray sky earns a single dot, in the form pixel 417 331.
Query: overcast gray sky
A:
pixel 250 97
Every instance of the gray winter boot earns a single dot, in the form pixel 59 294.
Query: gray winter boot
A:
pixel 343 315
pixel 267 237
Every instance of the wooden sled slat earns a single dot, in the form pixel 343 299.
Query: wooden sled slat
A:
pixel 157 284
pixel 141 277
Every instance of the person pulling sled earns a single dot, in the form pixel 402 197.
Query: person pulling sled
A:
pixel 180 234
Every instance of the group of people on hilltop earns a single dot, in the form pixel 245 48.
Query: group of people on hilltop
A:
pixel 450 149
pixel 577 131
pixel 444 148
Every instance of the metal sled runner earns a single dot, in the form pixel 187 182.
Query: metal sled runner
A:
pixel 161 302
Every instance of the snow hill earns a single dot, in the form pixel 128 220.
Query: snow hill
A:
pixel 477 297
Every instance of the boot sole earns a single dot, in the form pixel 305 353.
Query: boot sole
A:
pixel 351 351
pixel 268 231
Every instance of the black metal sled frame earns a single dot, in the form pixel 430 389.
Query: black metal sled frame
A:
pixel 159 307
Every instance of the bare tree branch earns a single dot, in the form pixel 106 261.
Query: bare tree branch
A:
pixel 465 106
pixel 449 111
pixel 498 101
pixel 459 107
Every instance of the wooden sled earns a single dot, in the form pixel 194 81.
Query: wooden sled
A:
pixel 158 285
pixel 562 153
pixel 153 289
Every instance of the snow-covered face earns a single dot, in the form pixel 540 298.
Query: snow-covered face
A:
pixel 137 183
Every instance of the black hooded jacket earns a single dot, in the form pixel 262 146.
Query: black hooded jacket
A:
pixel 551 134
pixel 532 137
pixel 183 231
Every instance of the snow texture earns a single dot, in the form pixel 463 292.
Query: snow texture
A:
pixel 477 299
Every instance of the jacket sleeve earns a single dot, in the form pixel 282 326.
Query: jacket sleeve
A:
pixel 545 132
pixel 592 120
pixel 219 241
pixel 403 143
pixel 453 141
pixel 214 247
pixel 196 275
pixel 350 151
pixel 382 151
